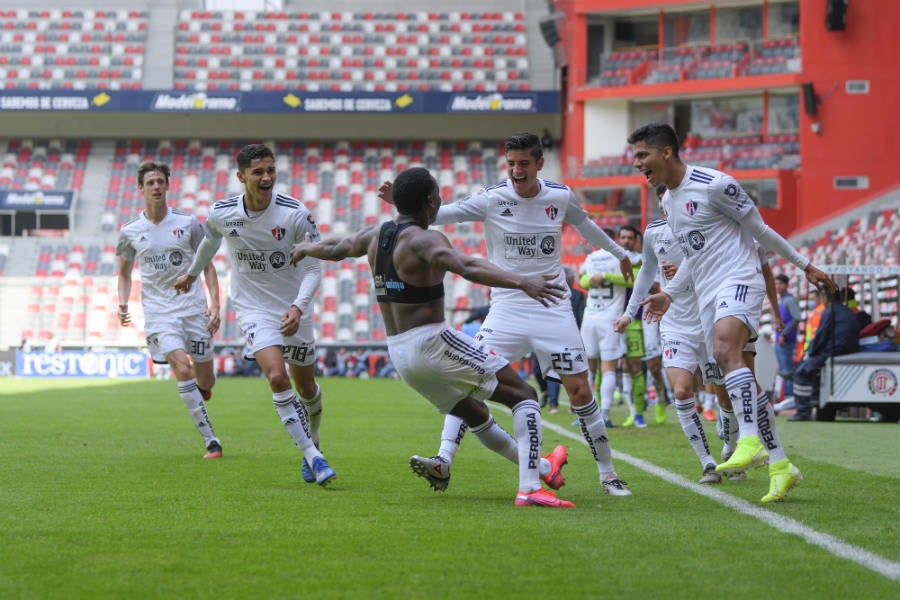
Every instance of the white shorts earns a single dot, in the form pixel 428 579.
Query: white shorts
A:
pixel 600 341
pixel 513 329
pixel 652 343
pixel 444 365
pixel 688 351
pixel 737 300
pixel 262 330
pixel 166 334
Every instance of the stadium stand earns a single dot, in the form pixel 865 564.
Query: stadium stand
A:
pixel 351 51
pixel 72 49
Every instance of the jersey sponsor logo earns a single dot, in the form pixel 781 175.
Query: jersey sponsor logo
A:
pixel 551 212
pixel 278 232
pixel 178 233
pixel 506 202
pixel 277 260
pixel 506 213
pixel 696 240
pixel 548 245
pixel 176 258
pixel 690 207
pixel 234 223
pixel 529 245
pixel 157 262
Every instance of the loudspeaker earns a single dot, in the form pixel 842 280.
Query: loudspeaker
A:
pixel 550 32
pixel 835 15
pixel 810 100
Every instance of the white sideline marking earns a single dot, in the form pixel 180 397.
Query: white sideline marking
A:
pixel 831 544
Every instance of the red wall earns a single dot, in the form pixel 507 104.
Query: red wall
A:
pixel 858 132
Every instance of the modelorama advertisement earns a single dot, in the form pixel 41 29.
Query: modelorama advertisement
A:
pixel 286 101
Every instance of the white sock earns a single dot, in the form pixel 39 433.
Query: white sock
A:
pixel 607 391
pixel 594 431
pixel 627 387
pixel 693 430
pixel 293 417
pixel 768 433
pixel 528 427
pixel 193 402
pixel 741 388
pixel 451 437
pixel 709 400
pixel 500 441
pixel 730 430
pixel 314 412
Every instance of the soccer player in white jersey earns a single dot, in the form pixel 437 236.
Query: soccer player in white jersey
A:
pixel 684 346
pixel 179 328
pixel 408 263
pixel 715 223
pixel 272 298
pixel 523 218
pixel 605 302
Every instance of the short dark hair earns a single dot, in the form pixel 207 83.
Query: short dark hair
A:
pixel 782 278
pixel 658 135
pixel 525 141
pixel 150 166
pixel 252 152
pixel 412 188
pixel 632 229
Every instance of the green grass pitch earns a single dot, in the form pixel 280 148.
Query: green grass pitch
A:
pixel 104 494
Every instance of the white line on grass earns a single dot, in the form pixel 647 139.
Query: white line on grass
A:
pixel 834 545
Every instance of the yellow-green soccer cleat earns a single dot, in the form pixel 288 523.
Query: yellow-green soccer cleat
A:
pixel 629 422
pixel 749 454
pixel 783 477
pixel 660 413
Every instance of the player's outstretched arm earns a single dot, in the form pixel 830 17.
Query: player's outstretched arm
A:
pixel 334 249
pixel 434 248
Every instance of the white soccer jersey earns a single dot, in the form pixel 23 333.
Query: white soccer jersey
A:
pixel 523 235
pixel 682 314
pixel 164 252
pixel 259 249
pixel 704 213
pixel 608 300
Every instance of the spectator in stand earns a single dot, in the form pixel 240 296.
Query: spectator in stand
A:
pixel 837 334
pixel 863 318
pixel 879 336
pixel 789 310
pixel 547 140
pixel 815 308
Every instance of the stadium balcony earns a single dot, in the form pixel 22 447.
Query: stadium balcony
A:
pixel 72 49
pixel 43 164
pixel 351 51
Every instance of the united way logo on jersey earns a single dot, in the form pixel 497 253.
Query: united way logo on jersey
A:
pixel 278 232
pixel 690 207
pixel 551 211
pixel 178 233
